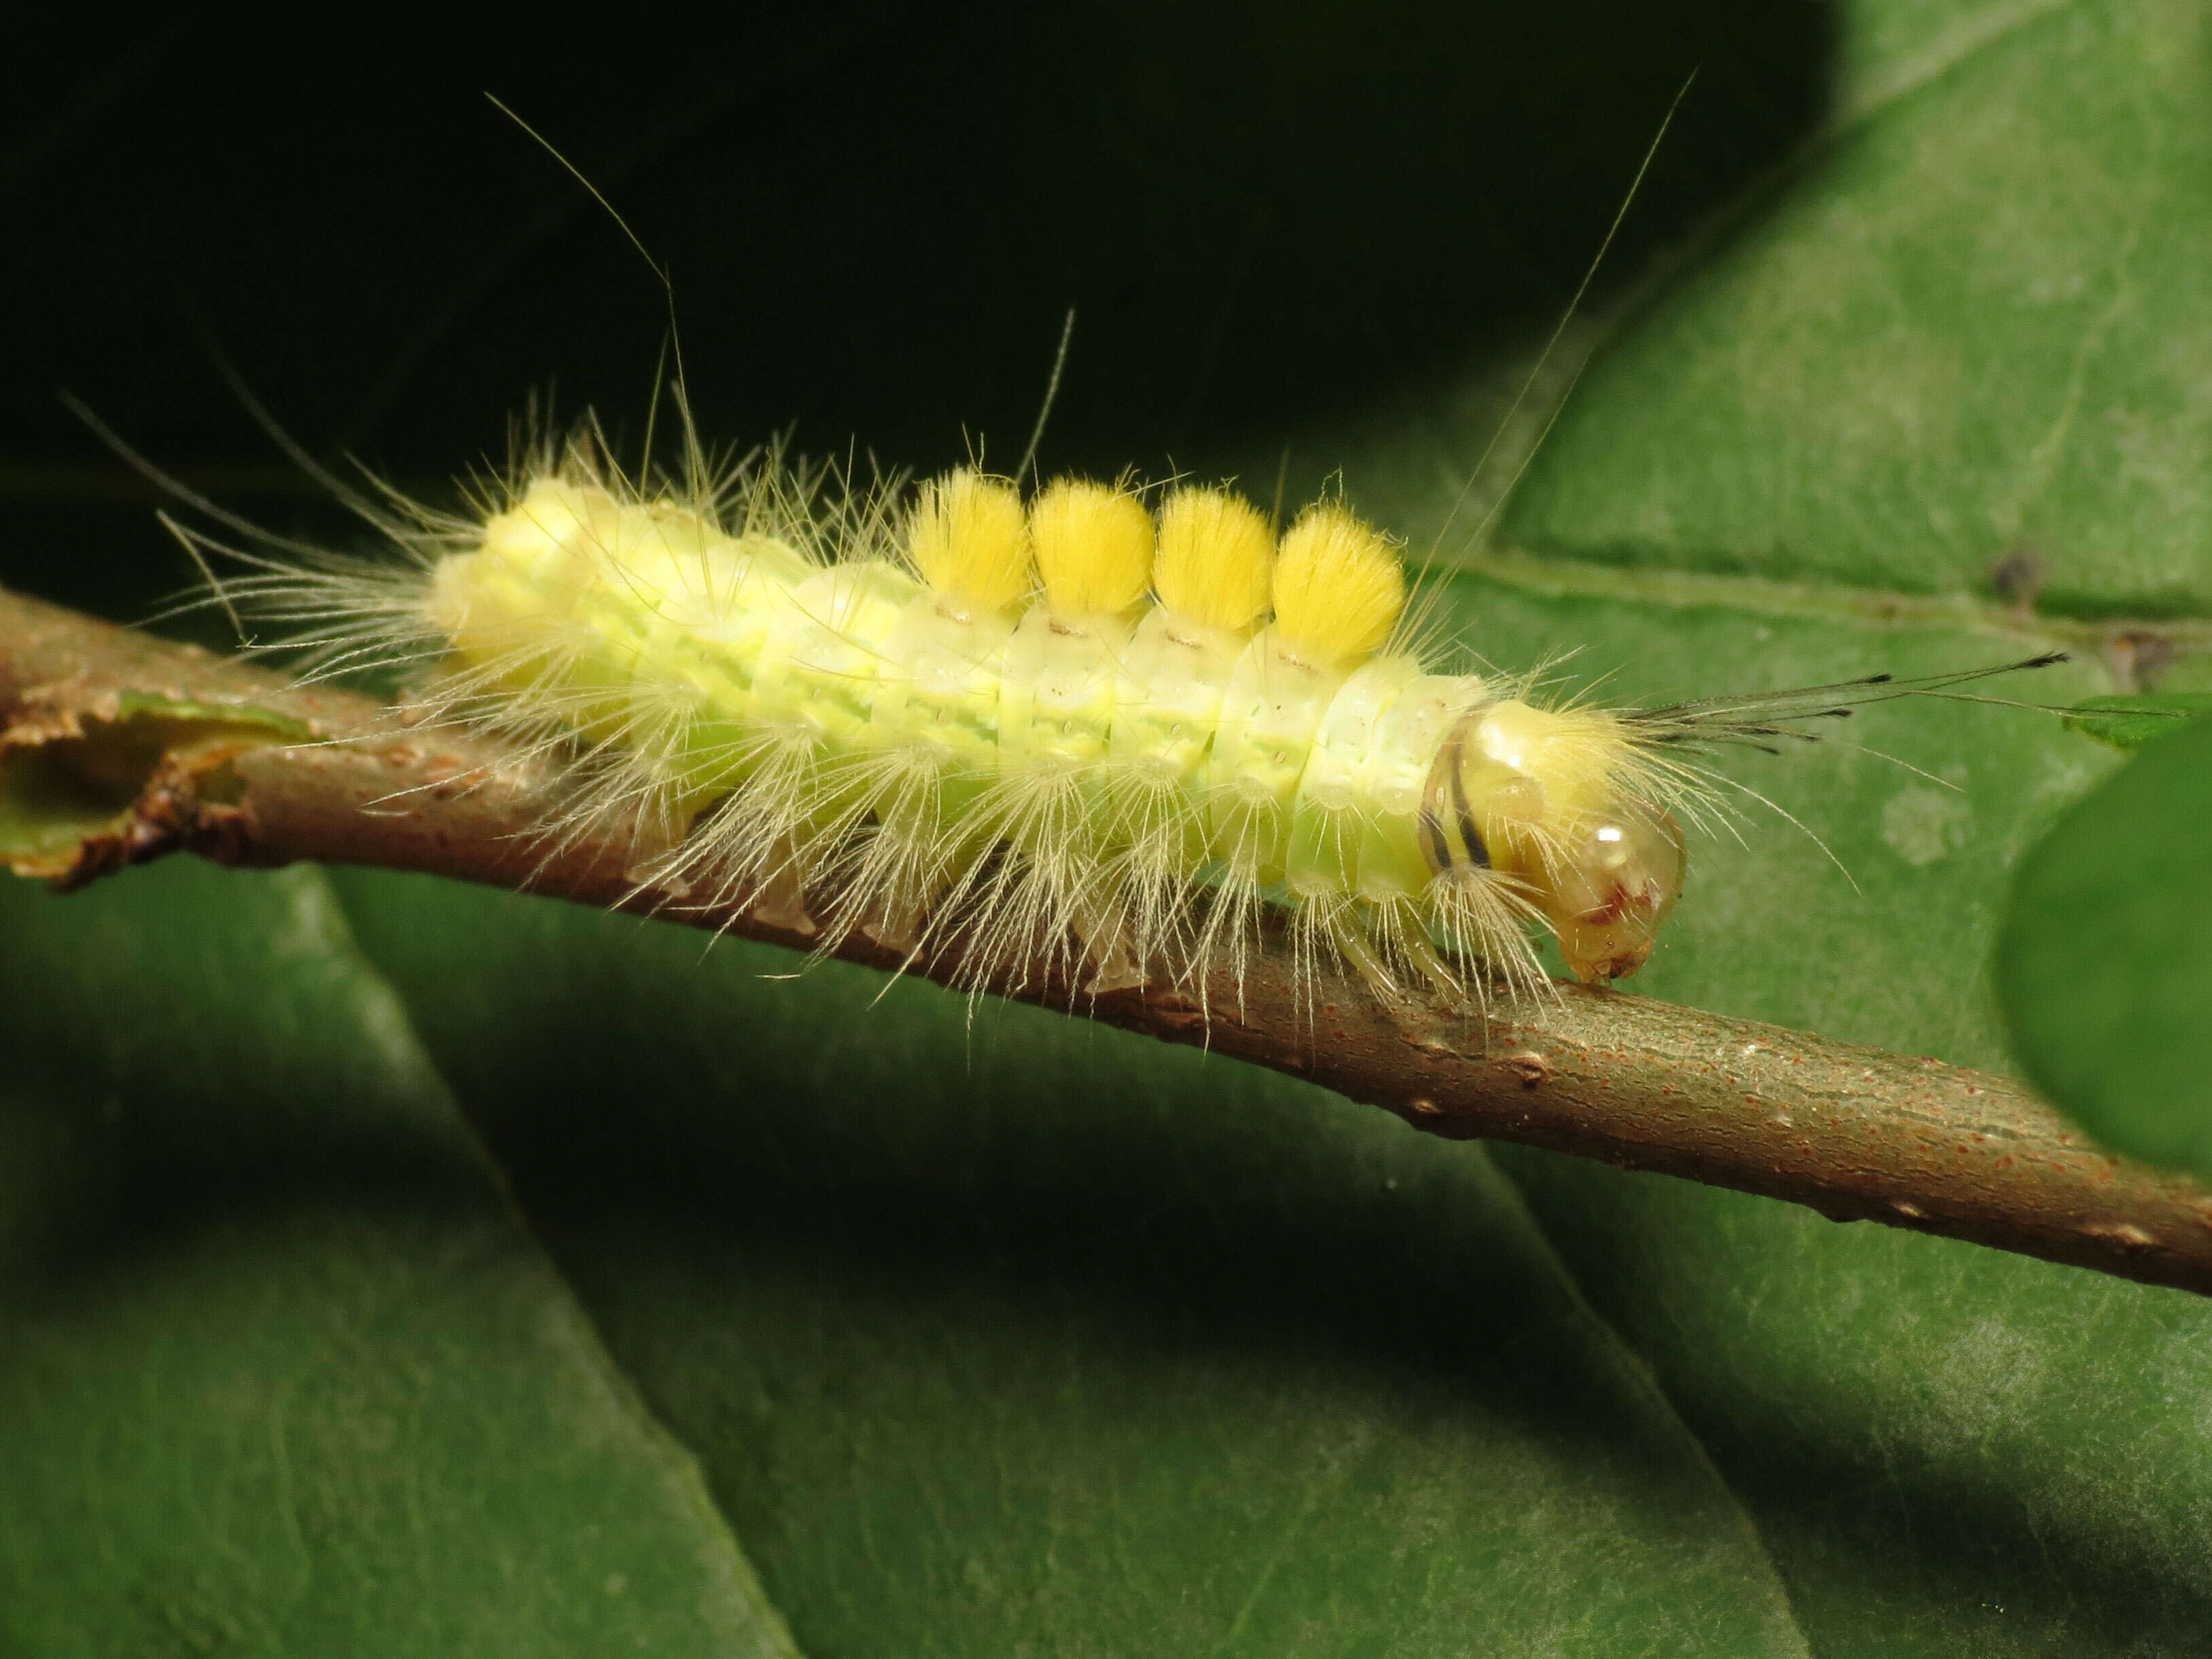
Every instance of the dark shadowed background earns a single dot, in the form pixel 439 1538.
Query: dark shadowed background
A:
pixel 875 217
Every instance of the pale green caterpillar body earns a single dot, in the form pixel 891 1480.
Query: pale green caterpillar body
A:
pixel 1087 730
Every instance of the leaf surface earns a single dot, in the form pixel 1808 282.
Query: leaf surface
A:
pixel 1012 1335
pixel 2127 723
pixel 2106 966
pixel 1026 1334
pixel 1975 326
pixel 280 1372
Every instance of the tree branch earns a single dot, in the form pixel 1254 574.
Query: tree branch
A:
pixel 116 747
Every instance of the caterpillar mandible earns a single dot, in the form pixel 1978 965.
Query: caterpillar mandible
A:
pixel 1108 732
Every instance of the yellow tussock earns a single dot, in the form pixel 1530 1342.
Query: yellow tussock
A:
pixel 1214 557
pixel 970 540
pixel 1094 547
pixel 1339 588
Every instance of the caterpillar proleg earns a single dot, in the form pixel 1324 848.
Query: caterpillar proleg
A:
pixel 1114 729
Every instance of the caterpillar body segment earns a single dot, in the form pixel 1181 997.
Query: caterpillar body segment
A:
pixel 1066 728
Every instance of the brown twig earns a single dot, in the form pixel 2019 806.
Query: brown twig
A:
pixel 226 760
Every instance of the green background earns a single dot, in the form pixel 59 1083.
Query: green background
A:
pixel 2105 968
pixel 390 1268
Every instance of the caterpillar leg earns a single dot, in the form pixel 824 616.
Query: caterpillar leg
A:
pixel 897 922
pixel 779 898
pixel 1147 929
pixel 1484 917
pixel 726 860
pixel 1109 946
pixel 1226 935
pixel 1330 924
pixel 755 848
pixel 1397 926
pixel 1350 941
pixel 1051 896
pixel 917 888
pixel 898 877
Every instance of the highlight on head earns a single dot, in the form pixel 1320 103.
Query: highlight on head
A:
pixel 1614 881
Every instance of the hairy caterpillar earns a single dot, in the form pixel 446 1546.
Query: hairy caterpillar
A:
pixel 1113 731
pixel 1085 727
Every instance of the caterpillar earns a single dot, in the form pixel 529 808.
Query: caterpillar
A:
pixel 1109 729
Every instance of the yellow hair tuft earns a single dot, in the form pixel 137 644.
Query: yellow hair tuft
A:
pixel 970 540
pixel 1214 558
pixel 1339 588
pixel 1094 546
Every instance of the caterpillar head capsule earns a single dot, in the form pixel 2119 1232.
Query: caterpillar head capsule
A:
pixel 1535 796
pixel 1612 886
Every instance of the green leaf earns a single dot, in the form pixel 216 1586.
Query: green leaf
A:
pixel 1947 1450
pixel 1977 325
pixel 2104 965
pixel 281 1372
pixel 1016 1334
pixel 2130 722
pixel 1026 1334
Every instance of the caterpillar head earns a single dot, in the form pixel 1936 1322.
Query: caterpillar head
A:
pixel 1613 883
pixel 1546 799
